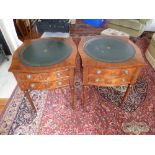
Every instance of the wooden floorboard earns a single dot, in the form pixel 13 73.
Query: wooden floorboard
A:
pixel 3 102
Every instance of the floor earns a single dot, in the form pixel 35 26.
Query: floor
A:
pixel 100 115
pixel 7 83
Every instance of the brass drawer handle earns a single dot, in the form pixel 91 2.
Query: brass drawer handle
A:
pixel 59 83
pixel 123 80
pixel 32 85
pixel 97 80
pixel 126 72
pixel 58 74
pixel 29 76
pixel 98 71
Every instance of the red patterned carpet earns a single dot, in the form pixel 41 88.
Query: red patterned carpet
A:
pixel 101 115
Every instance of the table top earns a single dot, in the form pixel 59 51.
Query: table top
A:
pixel 44 52
pixel 109 49
pixel 109 52
pixel 60 53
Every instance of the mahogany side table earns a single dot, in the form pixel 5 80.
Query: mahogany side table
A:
pixel 46 63
pixel 109 61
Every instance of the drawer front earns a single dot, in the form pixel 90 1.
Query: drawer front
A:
pixel 109 73
pixel 104 81
pixel 43 77
pixel 43 85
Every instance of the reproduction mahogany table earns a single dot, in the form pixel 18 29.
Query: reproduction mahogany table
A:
pixel 46 63
pixel 109 61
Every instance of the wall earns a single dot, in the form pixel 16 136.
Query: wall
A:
pixel 9 33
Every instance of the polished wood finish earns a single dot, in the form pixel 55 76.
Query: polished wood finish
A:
pixel 46 77
pixel 126 93
pixel 110 74
pixel 43 77
pixel 27 94
pixel 26 29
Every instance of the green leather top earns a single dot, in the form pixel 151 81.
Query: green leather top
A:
pixel 44 52
pixel 109 49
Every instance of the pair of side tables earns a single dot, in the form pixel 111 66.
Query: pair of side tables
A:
pixel 49 63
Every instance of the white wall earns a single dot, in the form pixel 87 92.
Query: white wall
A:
pixel 9 33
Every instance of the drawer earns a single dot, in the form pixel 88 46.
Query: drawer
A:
pixel 102 81
pixel 43 85
pixel 43 77
pixel 112 72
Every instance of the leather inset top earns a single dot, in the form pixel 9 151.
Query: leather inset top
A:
pixel 45 52
pixel 109 49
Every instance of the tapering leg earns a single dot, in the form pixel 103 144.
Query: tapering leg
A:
pixel 126 94
pixel 85 94
pixel 30 100
pixel 72 96
pixel 72 87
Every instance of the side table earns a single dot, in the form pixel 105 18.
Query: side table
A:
pixel 109 61
pixel 46 63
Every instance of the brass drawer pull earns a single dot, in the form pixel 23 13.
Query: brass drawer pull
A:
pixel 126 72
pixel 59 83
pixel 97 80
pixel 98 71
pixel 123 80
pixel 32 85
pixel 29 76
pixel 58 74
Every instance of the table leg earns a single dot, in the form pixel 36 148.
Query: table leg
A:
pixel 72 96
pixel 30 100
pixel 126 93
pixel 85 94
pixel 72 87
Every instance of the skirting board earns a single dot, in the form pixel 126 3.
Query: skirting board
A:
pixel 3 101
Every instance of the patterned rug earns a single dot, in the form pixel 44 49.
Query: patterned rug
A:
pixel 136 96
pixel 101 115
